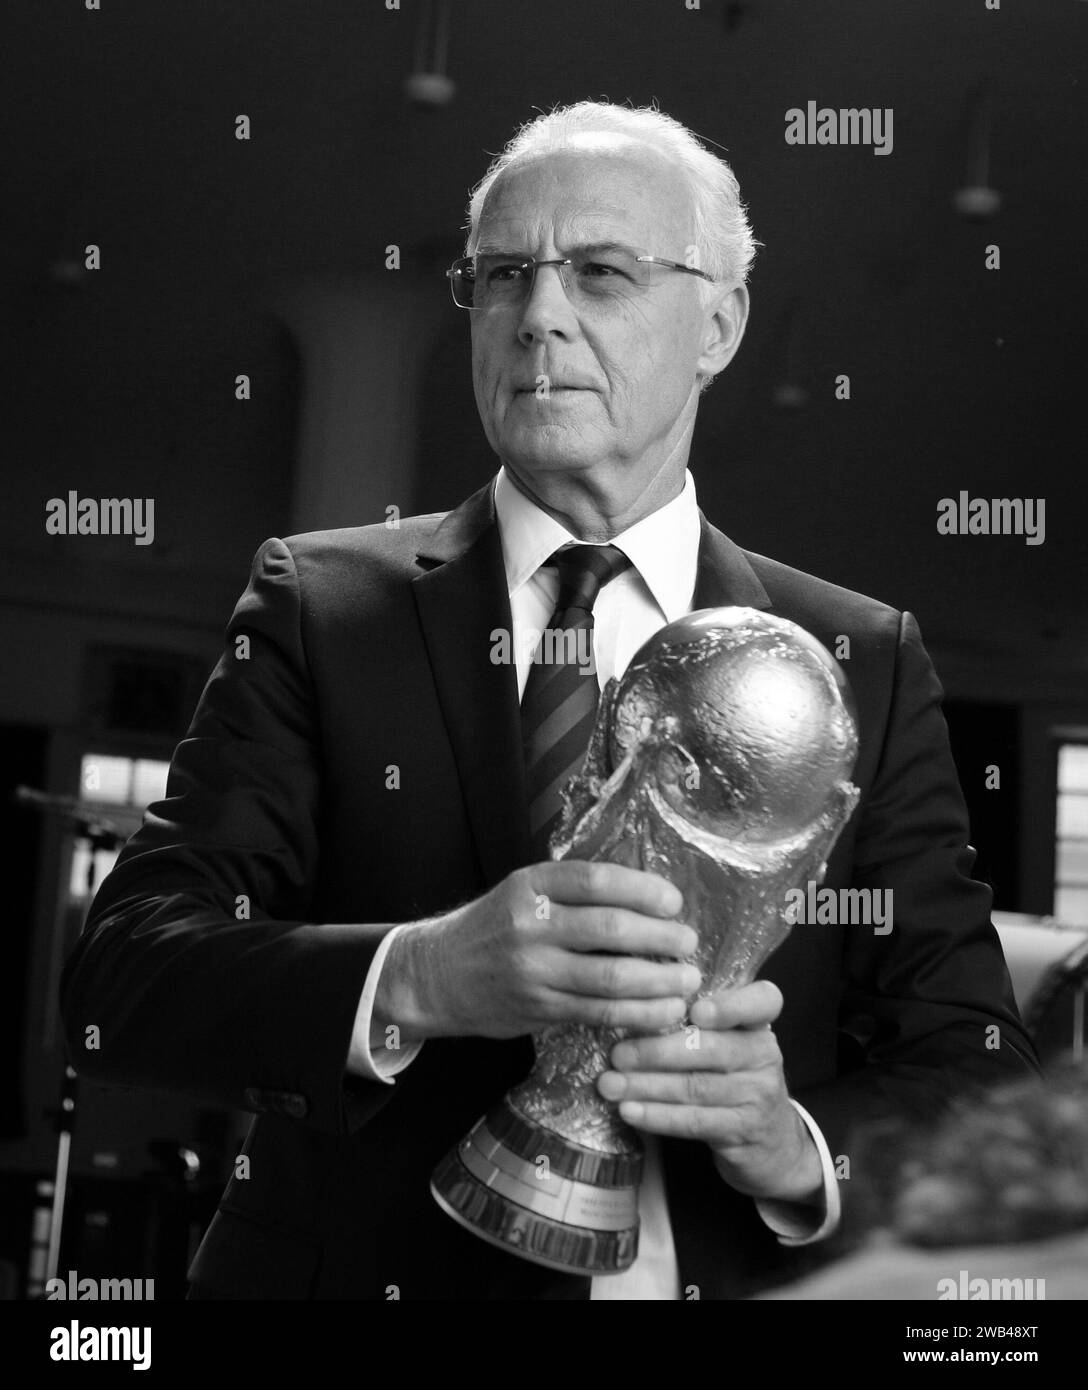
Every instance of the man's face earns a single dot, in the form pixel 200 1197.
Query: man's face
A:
pixel 621 373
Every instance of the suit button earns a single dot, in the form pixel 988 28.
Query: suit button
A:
pixel 254 1098
pixel 294 1106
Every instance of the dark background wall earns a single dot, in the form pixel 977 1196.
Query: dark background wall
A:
pixel 267 257
pixel 960 377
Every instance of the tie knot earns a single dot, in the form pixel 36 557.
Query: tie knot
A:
pixel 584 570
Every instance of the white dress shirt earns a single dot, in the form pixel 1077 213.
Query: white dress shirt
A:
pixel 658 588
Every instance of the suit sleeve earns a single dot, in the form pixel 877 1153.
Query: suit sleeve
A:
pixel 926 1010
pixel 198 963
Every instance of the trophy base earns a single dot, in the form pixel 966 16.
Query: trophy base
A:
pixel 533 1193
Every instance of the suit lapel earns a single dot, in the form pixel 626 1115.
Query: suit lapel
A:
pixel 461 600
pixel 723 576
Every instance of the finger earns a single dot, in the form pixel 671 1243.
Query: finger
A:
pixel 624 977
pixel 698 1049
pixel 620 929
pixel 577 881
pixel 746 1006
pixel 639 1015
pixel 719 1127
pixel 721 1090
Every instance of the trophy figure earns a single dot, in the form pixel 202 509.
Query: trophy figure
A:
pixel 720 761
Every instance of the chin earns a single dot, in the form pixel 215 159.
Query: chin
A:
pixel 551 451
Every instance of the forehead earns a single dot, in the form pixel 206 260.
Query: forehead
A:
pixel 597 191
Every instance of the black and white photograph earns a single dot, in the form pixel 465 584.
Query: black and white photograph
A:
pixel 545 691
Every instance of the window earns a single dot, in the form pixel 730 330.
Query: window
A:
pixel 122 787
pixel 1071 861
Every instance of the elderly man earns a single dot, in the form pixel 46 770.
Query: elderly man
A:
pixel 331 918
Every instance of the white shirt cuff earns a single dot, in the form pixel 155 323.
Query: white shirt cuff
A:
pixel 794 1223
pixel 377 1058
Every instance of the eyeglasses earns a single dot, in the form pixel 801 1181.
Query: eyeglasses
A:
pixel 594 276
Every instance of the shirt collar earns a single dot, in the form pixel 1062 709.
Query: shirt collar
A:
pixel 663 547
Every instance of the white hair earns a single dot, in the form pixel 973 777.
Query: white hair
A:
pixel 723 236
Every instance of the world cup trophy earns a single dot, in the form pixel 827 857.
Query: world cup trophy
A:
pixel 720 761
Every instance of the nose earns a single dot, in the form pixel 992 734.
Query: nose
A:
pixel 547 309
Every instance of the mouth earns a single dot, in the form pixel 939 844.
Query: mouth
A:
pixel 554 389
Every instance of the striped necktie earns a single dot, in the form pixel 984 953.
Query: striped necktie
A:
pixel 559 705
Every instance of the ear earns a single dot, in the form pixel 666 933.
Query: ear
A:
pixel 726 320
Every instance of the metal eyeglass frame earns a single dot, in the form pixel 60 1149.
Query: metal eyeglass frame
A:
pixel 463 261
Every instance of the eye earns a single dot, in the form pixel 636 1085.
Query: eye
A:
pixel 506 273
pixel 603 270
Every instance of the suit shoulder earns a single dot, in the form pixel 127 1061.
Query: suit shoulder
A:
pixel 376 540
pixel 802 596
pixel 349 565
pixel 322 557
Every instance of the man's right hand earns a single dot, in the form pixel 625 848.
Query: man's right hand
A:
pixel 563 942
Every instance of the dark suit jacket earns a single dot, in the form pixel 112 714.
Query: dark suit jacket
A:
pixel 371 647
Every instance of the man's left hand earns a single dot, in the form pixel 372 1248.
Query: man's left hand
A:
pixel 721 1080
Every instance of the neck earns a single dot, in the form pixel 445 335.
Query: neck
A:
pixel 596 510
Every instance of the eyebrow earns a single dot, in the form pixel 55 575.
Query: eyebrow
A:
pixel 585 248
